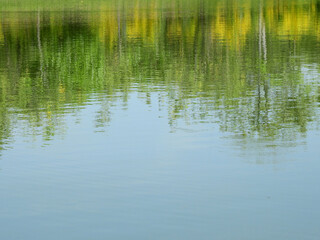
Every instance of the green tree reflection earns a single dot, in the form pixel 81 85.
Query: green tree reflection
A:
pixel 239 62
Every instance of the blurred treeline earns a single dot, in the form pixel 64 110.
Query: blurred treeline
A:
pixel 250 65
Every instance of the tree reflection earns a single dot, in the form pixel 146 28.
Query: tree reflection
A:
pixel 240 62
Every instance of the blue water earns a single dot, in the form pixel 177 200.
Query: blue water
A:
pixel 196 121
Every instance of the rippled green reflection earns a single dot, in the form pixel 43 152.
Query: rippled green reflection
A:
pixel 250 66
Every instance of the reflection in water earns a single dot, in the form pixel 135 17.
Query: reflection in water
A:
pixel 151 110
pixel 251 67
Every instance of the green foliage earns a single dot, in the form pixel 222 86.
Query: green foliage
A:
pixel 230 63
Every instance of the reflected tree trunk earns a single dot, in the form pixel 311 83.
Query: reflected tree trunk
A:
pixel 42 71
pixel 119 30
pixel 263 79
pixel 261 71
pixel 262 35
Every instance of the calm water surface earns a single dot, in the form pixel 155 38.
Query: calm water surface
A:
pixel 160 120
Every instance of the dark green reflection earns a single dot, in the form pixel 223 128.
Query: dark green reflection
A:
pixel 252 65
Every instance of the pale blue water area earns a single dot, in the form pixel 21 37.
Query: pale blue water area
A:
pixel 141 180
pixel 170 121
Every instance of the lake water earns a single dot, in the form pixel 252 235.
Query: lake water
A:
pixel 156 119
